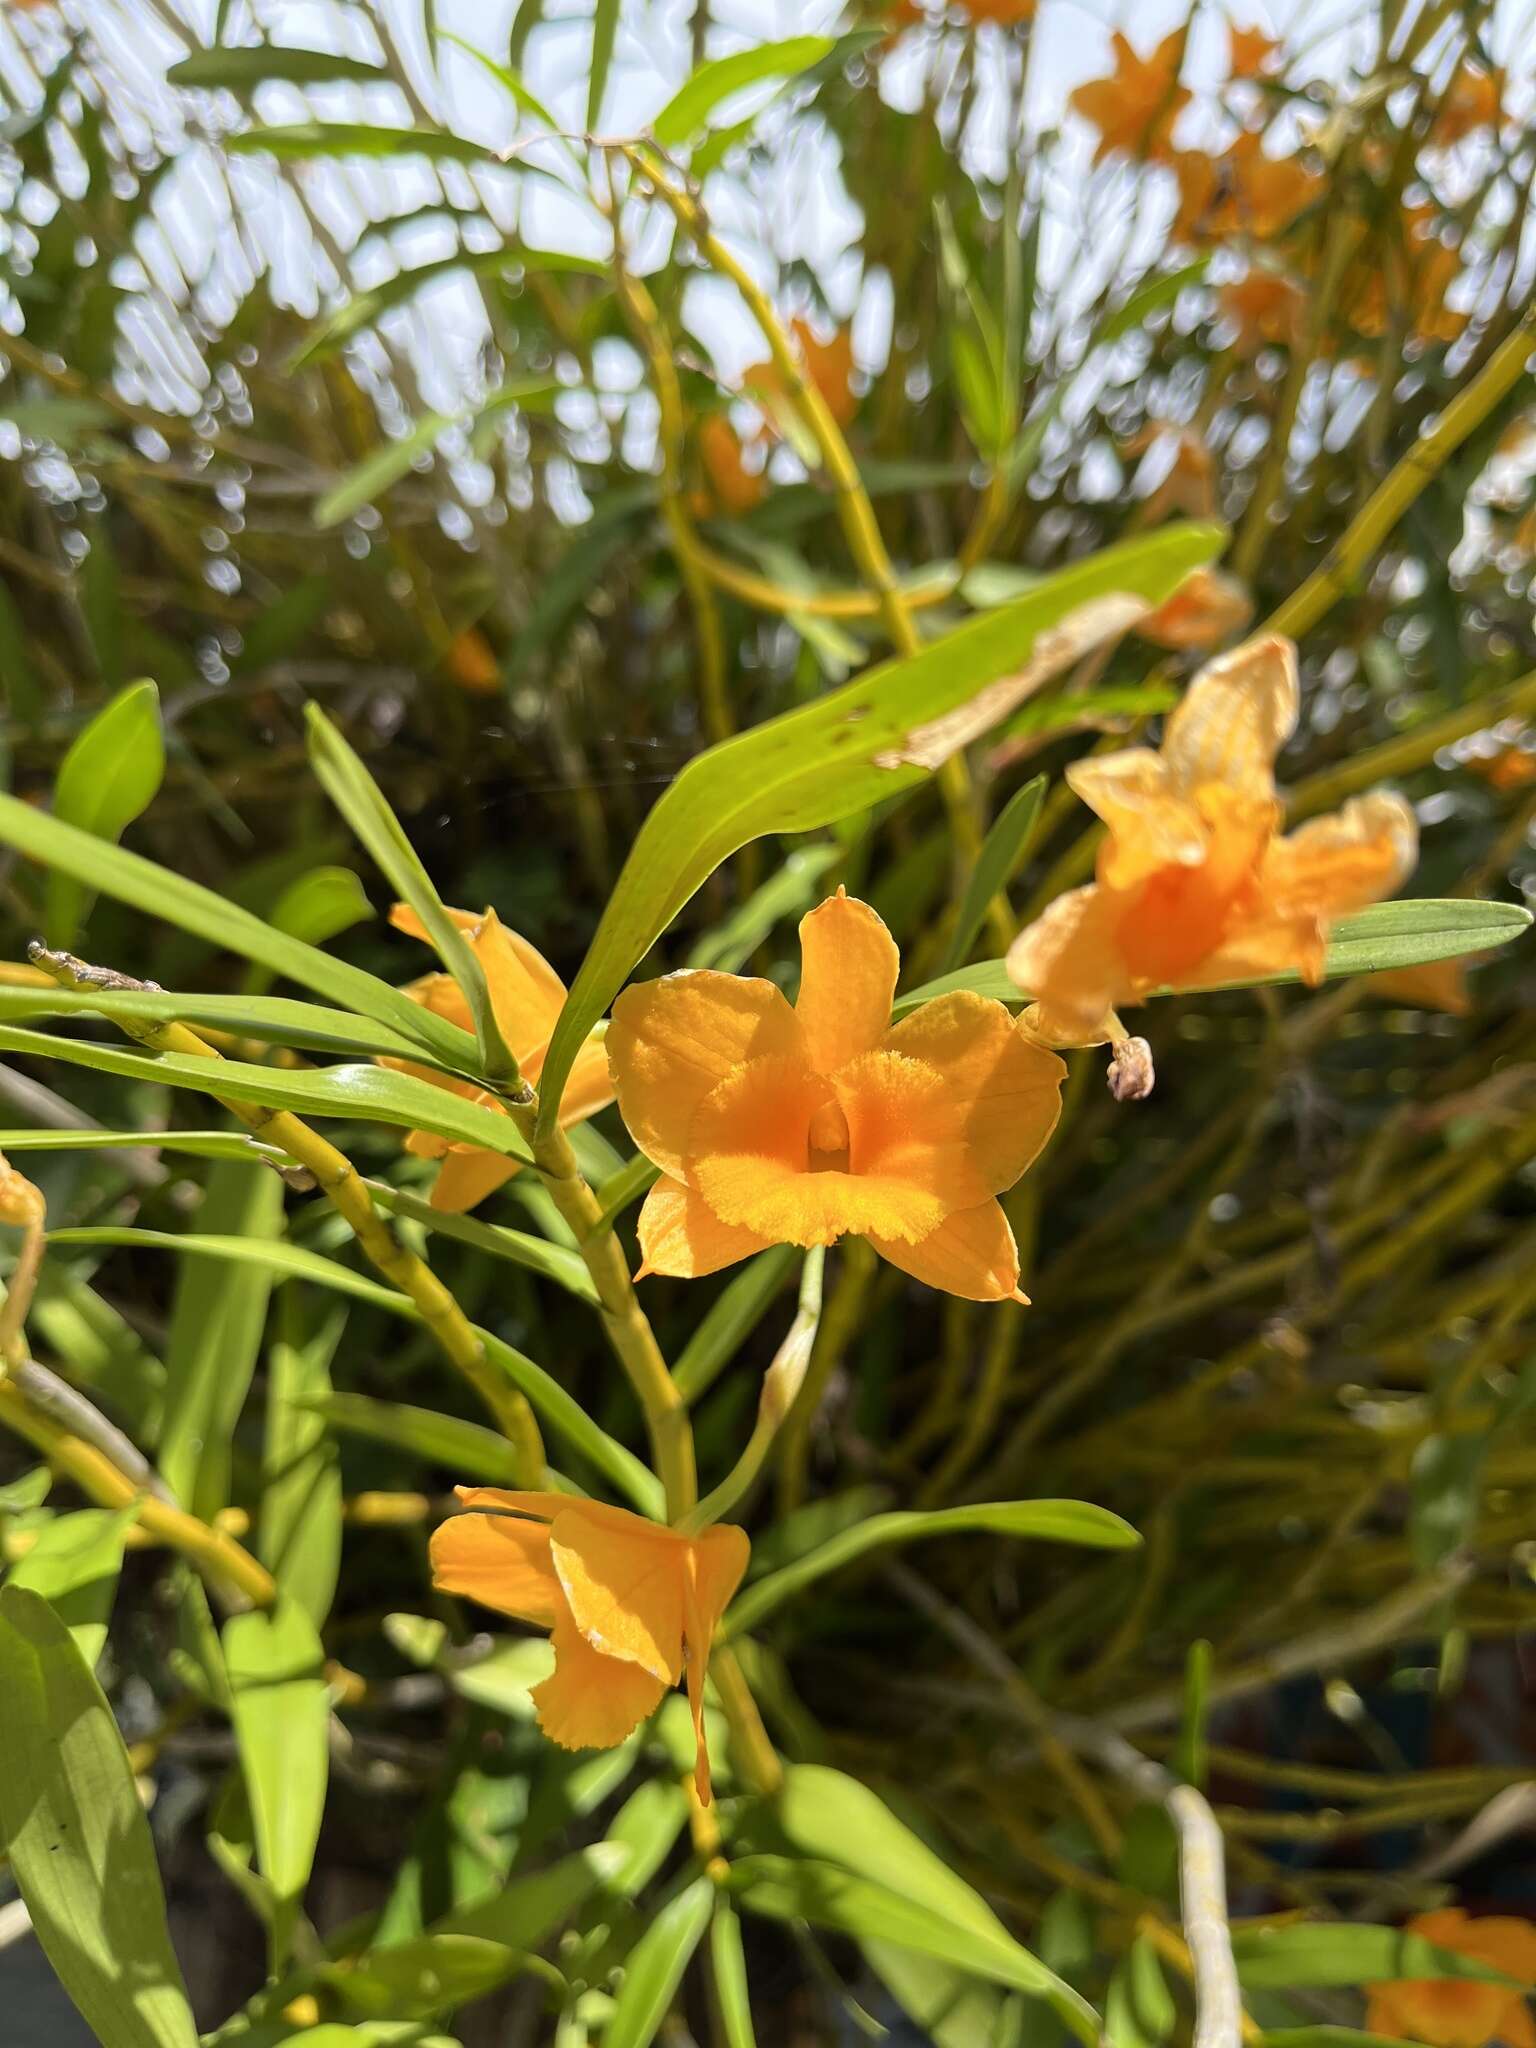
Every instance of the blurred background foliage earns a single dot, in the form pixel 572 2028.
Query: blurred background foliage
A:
pixel 356 416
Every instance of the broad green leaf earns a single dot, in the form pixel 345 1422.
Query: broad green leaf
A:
pixel 74 1564
pixel 654 1967
pixel 79 1843
pixel 306 139
pixel 715 80
pixel 431 1974
pixel 372 477
pixel 1046 1521
pixel 21 1496
pixel 733 1998
pixel 1388 935
pixel 1139 2011
pixel 472 1453
pixel 812 766
pixel 1338 1953
pixel 298 1529
pixel 953 2008
pixel 320 904
pixel 523 1912
pixel 645 1828
pixel 363 804
pixel 281 1714
pixel 791 1888
pixel 731 1317
pixel 215 1337
pixel 555 1405
pixel 108 777
pixel 605 29
pixel 276 1020
pixel 1002 855
pixel 372 1094
pixel 242 69
pixel 158 892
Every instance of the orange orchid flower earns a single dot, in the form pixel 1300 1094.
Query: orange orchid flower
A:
pixel 1510 769
pixel 1433 985
pixel 827 364
pixel 629 1604
pixel 1475 100
pixel 1245 192
pixel 1189 484
pixel 1253 54
pixel 470 661
pixel 527 996
pixel 1264 308
pixel 780 1125
pixel 732 487
pixel 1461 2012
pixel 1206 607
pixel 1195 886
pixel 1135 108
pixel 1006 13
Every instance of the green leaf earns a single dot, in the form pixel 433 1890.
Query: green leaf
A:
pixel 507 76
pixel 1334 1953
pixel 79 1843
pixel 298 1530
pixel 470 1452
pixel 1153 297
pixel 215 1338
pixel 1139 2011
pixel 733 1998
pixel 74 1564
pixel 158 892
pixel 788 1888
pixel 366 307
pixel 281 1714
pixel 274 1258
pixel 1002 855
pixel 1047 1521
pixel 605 29
pixel 1191 1757
pixel 320 904
pixel 826 760
pixel 362 803
pixel 654 1967
pixel 1386 936
pixel 357 138
pixel 276 1020
pixel 734 1313
pixel 198 1144
pixel 696 99
pixel 108 777
pixel 372 477
pixel 242 70
pixel 553 1261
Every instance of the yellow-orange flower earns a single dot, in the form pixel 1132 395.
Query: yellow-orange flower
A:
pixel 630 1604
pixel 1135 108
pixel 1475 100
pixel 1263 307
pixel 527 996
pixel 731 486
pixel 827 364
pixel 780 1125
pixel 1006 13
pixel 1510 769
pixel 1245 192
pixel 1253 54
pixel 1433 985
pixel 1206 607
pixel 471 662
pixel 1194 884
pixel 1461 2012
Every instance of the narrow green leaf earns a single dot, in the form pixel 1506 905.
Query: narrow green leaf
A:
pixel 1046 1521
pixel 555 1262
pixel 197 1144
pixel 241 70
pixel 158 892
pixel 833 757
pixel 789 1888
pixel 655 1965
pixel 1388 935
pixel 363 804
pixel 215 1338
pixel 307 139
pixel 1002 855
pixel 276 1020
pixel 1336 1953
pixel 1191 1756
pixel 1155 296
pixel 298 1529
pixel 605 29
pixel 320 904
pixel 733 1996
pixel 74 1564
pixel 79 1843
pixel 281 1714
pixel 715 80
pixel 108 777
pixel 372 477
pixel 506 75
pixel 735 1312
pixel 469 1451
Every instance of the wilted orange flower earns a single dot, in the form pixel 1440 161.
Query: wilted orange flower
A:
pixel 527 996
pixel 732 487
pixel 1135 108
pixel 1263 307
pixel 780 1125
pixel 1194 884
pixel 1253 54
pixel 471 663
pixel 1509 769
pixel 629 1603
pixel 1206 607
pixel 1461 2012
pixel 828 365
pixel 1433 985
pixel 1475 100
